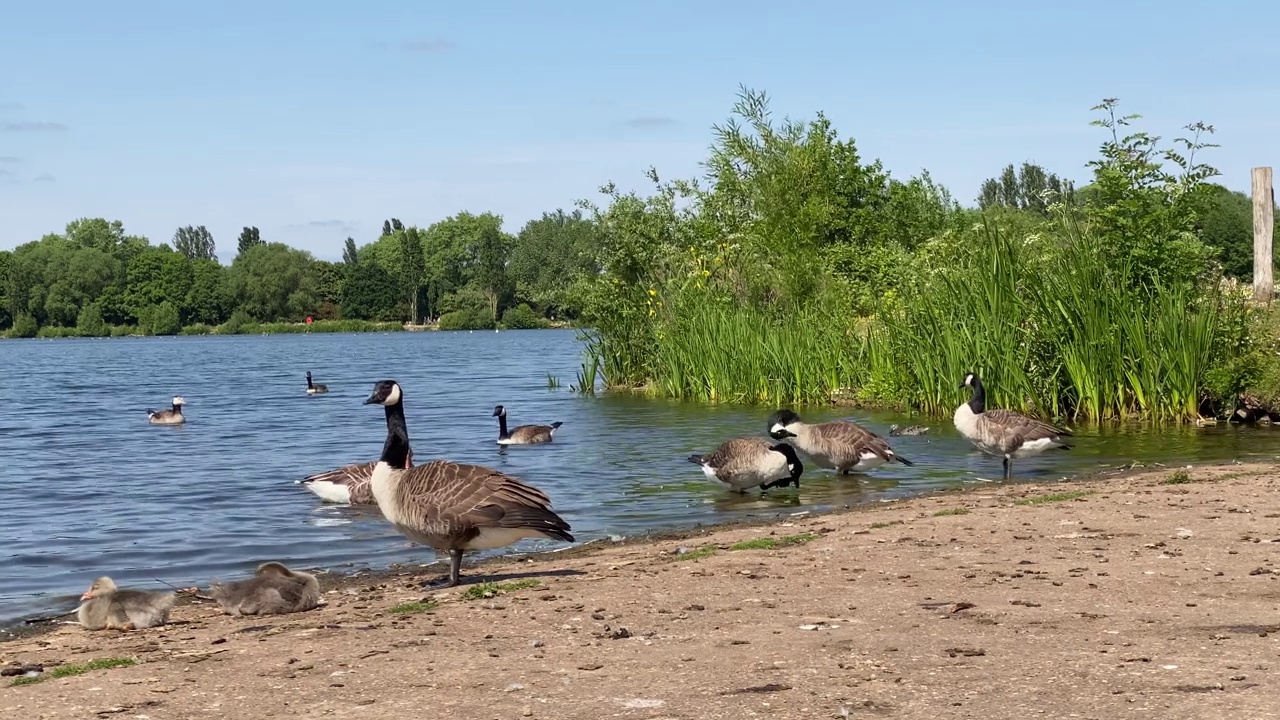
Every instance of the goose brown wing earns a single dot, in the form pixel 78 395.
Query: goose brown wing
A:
pixel 531 433
pixel 449 498
pixel 844 437
pixel 736 452
pixel 1021 427
pixel 346 475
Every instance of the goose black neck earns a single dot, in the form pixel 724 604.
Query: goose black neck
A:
pixel 502 427
pixel 309 385
pixel 978 403
pixel 797 468
pixel 177 407
pixel 395 451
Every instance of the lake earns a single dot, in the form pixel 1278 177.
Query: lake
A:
pixel 98 490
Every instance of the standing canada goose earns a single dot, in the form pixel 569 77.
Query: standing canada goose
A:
pixel 895 431
pixel 451 506
pixel 274 589
pixel 839 445
pixel 104 605
pixel 1006 433
pixel 348 484
pixel 747 462
pixel 172 416
pixel 315 388
pixel 523 434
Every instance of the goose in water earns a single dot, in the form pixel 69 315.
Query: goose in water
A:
pixel 839 445
pixel 274 589
pixel 747 462
pixel 315 388
pixel 523 434
pixel 895 431
pixel 348 484
pixel 453 507
pixel 105 606
pixel 1006 433
pixel 172 416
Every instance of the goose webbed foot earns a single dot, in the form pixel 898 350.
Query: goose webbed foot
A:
pixel 455 570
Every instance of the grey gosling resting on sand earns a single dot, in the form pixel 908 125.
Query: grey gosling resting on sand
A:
pixel 523 434
pixel 1005 433
pixel 453 507
pixel 839 445
pixel 315 388
pixel 747 462
pixel 274 589
pixel 104 605
pixel 172 416
pixel 348 484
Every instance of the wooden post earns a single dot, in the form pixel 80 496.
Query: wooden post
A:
pixel 1264 201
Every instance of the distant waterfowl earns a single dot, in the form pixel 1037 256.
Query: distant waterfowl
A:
pixel 894 430
pixel 172 416
pixel 453 507
pixel 315 388
pixel 274 589
pixel 348 485
pixel 839 445
pixel 523 434
pixel 747 462
pixel 104 605
pixel 1006 433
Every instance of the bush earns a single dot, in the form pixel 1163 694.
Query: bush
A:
pixel 24 326
pixel 90 322
pixel 522 317
pixel 236 323
pixel 472 319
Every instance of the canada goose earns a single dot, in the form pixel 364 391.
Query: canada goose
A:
pixel 172 416
pixel 315 388
pixel 1250 415
pixel 274 589
pixel 895 431
pixel 523 434
pixel 348 484
pixel 1006 433
pixel 838 445
pixel 747 462
pixel 451 506
pixel 104 605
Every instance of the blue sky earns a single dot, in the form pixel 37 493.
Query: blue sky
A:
pixel 317 120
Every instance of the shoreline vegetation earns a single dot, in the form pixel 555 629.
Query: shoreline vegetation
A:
pixel 281 328
pixel 1152 584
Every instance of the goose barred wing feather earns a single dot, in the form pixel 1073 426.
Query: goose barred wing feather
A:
pixel 456 499
pixel 844 437
pixel 346 475
pixel 736 454
pixel 1017 428
pixel 531 433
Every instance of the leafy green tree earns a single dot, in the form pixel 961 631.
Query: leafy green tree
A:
pixel 549 254
pixel 1224 221
pixel 24 326
pixel 1025 189
pixel 155 276
pixel 370 293
pixel 209 300
pixel 6 303
pixel 274 282
pixel 349 253
pixel 249 237
pixel 412 266
pixel 195 243
pixel 90 322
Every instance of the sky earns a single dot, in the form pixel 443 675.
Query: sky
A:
pixel 317 120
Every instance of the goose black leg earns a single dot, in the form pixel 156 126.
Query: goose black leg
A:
pixel 455 569
pixel 1008 470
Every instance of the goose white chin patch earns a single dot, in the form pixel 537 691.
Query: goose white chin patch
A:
pixel 708 470
pixel 393 397
pixel 776 427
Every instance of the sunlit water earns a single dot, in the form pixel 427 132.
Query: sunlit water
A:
pixel 95 489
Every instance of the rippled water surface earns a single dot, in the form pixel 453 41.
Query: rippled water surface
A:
pixel 95 489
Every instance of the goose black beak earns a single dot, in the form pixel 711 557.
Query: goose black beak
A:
pixel 370 400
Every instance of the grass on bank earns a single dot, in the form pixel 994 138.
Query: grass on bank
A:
pixel 76 669
pixel 1054 497
pixel 770 543
pixel 410 608
pixel 485 590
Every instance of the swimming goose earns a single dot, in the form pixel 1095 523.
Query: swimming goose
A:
pixel 523 434
pixel 315 388
pixel 172 416
pixel 348 484
pixel 104 605
pixel 747 462
pixel 1006 433
pixel 895 431
pixel 838 445
pixel 453 507
pixel 274 589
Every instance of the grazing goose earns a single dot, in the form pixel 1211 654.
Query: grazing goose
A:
pixel 838 445
pixel 453 507
pixel 747 462
pixel 172 416
pixel 348 484
pixel 315 388
pixel 1006 433
pixel 895 431
pixel 274 589
pixel 523 434
pixel 105 606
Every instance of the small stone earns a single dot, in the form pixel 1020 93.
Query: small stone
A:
pixel 536 643
pixel 218 641
pixel 590 666
pixel 597 616
pixel 513 687
pixel 527 711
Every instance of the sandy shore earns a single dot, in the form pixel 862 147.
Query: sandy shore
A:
pixel 1150 596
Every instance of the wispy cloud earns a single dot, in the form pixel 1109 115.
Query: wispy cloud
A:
pixel 430 46
pixel 10 106
pixel 7 177
pixel 344 226
pixel 9 160
pixel 650 121
pixel 33 127
pixel 46 177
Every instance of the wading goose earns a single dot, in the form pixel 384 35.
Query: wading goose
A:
pixel 274 589
pixel 1006 433
pixel 105 606
pixel 172 416
pixel 839 445
pixel 348 485
pixel 523 434
pixel 315 388
pixel 747 462
pixel 453 507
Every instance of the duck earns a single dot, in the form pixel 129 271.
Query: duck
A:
pixel 745 462
pixel 347 485
pixel 895 431
pixel 172 416
pixel 449 506
pixel 315 388
pixel 1007 433
pixel 840 445
pixel 104 605
pixel 523 434
pixel 274 589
